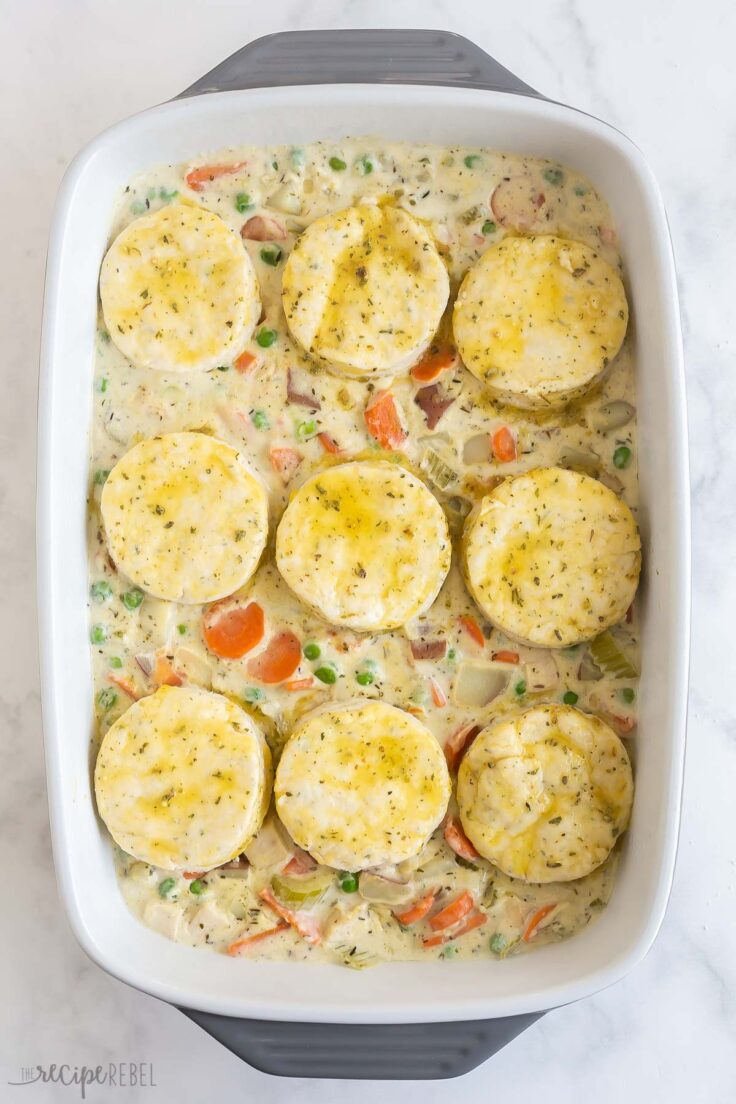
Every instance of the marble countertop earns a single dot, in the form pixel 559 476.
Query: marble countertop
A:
pixel 665 75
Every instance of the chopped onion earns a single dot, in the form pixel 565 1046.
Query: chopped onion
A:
pixel 270 847
pixel 477 684
pixel 383 891
pixel 541 672
pixel 477 449
pixel 578 460
pixel 611 415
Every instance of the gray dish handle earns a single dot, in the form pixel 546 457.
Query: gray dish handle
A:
pixel 361 1051
pixel 359 57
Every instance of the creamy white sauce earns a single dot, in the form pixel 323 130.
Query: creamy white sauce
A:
pixel 250 411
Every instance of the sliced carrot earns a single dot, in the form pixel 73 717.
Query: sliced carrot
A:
pixel 329 444
pixel 299 684
pixel 622 725
pixel 383 421
pixel 300 863
pixel 439 697
pixel 279 660
pixel 199 178
pixel 164 674
pixel 245 362
pixel 190 875
pixel 248 940
pixel 458 841
pixel 416 710
pixel 285 461
pixel 458 743
pixel 503 444
pixel 123 684
pixel 506 657
pixel 453 912
pixel 473 629
pixel 475 920
pixel 434 362
pixel 303 923
pixel 535 920
pixel 235 632
pixel 417 911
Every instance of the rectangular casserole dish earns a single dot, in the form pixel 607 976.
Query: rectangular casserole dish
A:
pixel 449 97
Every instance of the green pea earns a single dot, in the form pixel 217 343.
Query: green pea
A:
pixel 116 662
pixel 498 943
pixel 364 165
pixel 326 674
pixel 337 164
pixel 101 591
pixel 570 697
pixel 259 419
pixel 106 698
pixel 622 456
pixel 364 678
pixel 253 694
pixel 182 630
pixel 520 688
pixel 348 882
pixel 554 176
pixel 132 598
pixel 312 651
pixel 165 887
pixel 489 227
pixel 452 655
pixel 271 255
pixel 628 695
pixel 266 338
pixel 197 887
pixel 471 160
pixel 101 476
pixel 98 634
pixel 243 202
pixel 305 430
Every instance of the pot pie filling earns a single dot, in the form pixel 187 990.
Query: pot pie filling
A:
pixel 363 552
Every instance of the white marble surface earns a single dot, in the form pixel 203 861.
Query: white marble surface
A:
pixel 665 74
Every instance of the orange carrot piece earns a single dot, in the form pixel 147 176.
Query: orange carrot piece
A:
pixel 473 629
pixel 299 684
pixel 190 875
pixel 535 920
pixel 199 178
pixel 235 632
pixel 458 743
pixel 279 660
pixel 329 444
pixel 245 362
pixel 300 863
pixel 285 461
pixel 123 684
pixel 458 841
pixel 506 657
pixel 164 673
pixel 248 940
pixel 383 422
pixel 417 911
pixel 439 697
pixel 475 920
pixel 503 444
pixel 453 912
pixel 434 362
pixel 304 924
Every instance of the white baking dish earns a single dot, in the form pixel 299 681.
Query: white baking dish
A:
pixel 395 993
